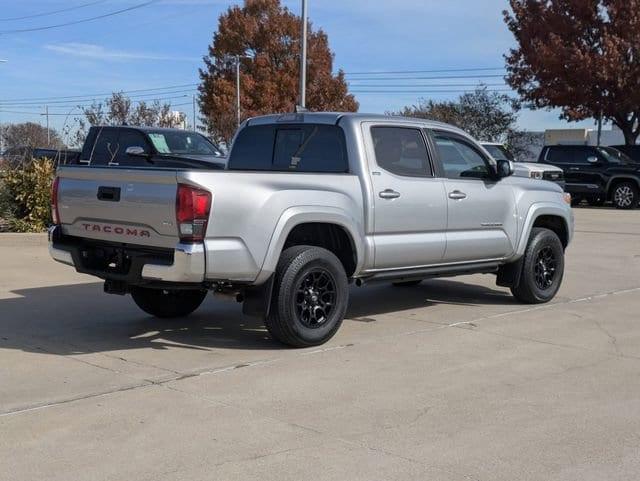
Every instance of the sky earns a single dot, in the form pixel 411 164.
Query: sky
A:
pixel 161 45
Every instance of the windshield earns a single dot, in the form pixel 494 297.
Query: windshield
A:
pixel 498 152
pixel 614 156
pixel 182 143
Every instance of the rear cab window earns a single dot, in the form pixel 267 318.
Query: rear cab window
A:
pixel 311 148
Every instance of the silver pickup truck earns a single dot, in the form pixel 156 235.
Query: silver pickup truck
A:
pixel 308 204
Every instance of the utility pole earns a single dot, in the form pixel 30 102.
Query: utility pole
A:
pixel 303 58
pixel 194 112
pixel 46 113
pixel 238 87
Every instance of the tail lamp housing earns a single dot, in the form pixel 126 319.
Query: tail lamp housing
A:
pixel 193 206
pixel 55 214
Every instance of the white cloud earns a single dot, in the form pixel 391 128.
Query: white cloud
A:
pixel 98 52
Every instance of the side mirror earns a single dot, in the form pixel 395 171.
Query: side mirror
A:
pixel 135 150
pixel 592 159
pixel 505 168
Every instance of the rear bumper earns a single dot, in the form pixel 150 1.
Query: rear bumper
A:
pixel 133 265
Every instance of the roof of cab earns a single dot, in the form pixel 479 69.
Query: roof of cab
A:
pixel 333 118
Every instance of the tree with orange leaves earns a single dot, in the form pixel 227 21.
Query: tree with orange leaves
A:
pixel 582 56
pixel 266 37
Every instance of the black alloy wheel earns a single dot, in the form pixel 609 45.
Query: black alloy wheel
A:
pixel 545 268
pixel 315 297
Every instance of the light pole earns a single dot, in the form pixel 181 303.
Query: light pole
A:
pixel 238 87
pixel 236 59
pixel 303 57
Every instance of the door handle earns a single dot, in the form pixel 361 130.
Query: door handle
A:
pixel 574 168
pixel 109 194
pixel 457 195
pixel 389 194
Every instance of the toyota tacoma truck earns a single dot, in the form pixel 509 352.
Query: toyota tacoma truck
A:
pixel 309 203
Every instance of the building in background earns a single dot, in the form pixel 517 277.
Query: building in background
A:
pixel 613 136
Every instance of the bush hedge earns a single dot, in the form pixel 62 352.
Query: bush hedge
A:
pixel 25 196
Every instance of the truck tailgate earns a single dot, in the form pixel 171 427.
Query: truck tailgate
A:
pixel 119 205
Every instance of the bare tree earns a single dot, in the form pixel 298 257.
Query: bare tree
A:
pixel 31 135
pixel 119 110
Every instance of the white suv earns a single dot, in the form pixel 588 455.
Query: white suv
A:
pixel 533 170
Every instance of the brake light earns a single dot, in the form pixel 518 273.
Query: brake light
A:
pixel 192 212
pixel 55 215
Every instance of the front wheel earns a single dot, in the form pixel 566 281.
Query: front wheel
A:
pixel 310 297
pixel 542 270
pixel 625 195
pixel 167 303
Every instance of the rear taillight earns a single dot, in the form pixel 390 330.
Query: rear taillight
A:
pixel 192 212
pixel 55 215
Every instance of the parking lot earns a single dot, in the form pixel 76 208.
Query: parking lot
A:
pixel 449 380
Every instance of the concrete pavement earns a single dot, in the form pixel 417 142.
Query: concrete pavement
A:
pixel 449 380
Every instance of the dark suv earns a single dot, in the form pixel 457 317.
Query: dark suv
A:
pixel 596 174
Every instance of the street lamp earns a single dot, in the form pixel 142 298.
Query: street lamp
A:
pixel 236 59
pixel 303 57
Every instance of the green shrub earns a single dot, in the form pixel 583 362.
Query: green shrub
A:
pixel 25 196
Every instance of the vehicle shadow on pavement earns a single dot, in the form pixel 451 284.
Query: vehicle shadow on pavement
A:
pixel 384 298
pixel 79 319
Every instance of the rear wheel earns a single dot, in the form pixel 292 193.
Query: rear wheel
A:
pixel 542 270
pixel 310 297
pixel 167 303
pixel 625 195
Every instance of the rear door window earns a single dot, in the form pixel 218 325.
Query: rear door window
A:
pixel 560 155
pixel 401 151
pixel 290 148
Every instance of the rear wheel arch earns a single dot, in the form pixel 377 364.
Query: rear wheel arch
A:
pixel 296 221
pixel 332 237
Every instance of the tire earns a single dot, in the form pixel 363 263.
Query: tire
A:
pixel 542 270
pixel 167 304
pixel 411 283
pixel 310 297
pixel 625 195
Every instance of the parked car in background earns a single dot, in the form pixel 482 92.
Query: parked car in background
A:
pixel 596 174
pixel 632 151
pixel 532 170
pixel 308 203
pixel 128 146
pixel 16 156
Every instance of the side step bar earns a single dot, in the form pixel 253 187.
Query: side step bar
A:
pixel 427 272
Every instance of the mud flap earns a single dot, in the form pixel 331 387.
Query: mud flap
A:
pixel 509 274
pixel 257 299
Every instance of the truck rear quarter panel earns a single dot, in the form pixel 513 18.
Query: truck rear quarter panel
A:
pixel 251 216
